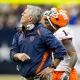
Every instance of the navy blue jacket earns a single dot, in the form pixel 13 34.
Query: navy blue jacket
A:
pixel 38 48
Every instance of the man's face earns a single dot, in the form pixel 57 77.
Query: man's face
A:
pixel 25 17
pixel 48 26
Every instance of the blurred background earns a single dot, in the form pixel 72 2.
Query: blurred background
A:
pixel 10 14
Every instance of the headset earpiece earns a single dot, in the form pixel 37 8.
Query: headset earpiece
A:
pixel 30 26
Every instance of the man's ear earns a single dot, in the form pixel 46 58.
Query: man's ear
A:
pixel 30 18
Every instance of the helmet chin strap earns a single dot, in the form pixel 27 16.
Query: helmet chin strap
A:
pixel 50 22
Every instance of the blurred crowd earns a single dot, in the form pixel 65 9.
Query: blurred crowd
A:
pixel 10 14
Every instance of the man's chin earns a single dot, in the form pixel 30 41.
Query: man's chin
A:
pixel 21 22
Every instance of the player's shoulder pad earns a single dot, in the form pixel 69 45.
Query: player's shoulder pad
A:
pixel 64 33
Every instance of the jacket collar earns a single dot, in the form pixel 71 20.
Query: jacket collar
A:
pixel 34 31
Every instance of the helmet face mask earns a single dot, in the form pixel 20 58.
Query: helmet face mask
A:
pixel 58 16
pixel 54 13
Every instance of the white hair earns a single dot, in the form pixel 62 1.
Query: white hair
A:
pixel 36 12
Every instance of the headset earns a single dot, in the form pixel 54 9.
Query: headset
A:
pixel 28 27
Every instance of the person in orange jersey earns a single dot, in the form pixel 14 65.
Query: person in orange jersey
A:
pixel 56 20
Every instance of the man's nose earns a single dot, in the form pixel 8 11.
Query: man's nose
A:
pixel 22 14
